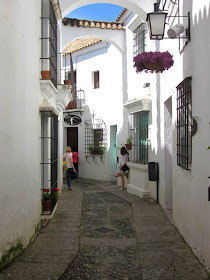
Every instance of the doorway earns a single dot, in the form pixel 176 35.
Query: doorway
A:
pixel 113 152
pixel 72 138
pixel 168 161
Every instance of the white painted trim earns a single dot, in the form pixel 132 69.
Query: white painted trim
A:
pixel 136 23
pixel 140 192
pixel 47 89
pixel 46 107
pixel 138 104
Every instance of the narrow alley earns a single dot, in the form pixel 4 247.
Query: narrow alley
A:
pixel 101 233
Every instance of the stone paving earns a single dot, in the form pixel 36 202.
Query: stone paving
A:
pixel 101 233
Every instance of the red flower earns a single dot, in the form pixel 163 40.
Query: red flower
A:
pixel 46 190
pixel 56 189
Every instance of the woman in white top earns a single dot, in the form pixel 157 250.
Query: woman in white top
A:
pixel 123 160
pixel 70 165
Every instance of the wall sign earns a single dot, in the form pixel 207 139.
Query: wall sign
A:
pixel 72 120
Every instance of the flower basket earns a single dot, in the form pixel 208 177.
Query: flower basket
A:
pixel 153 62
pixel 157 66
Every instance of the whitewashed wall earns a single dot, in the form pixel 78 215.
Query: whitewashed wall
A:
pixel 191 208
pixel 183 191
pixel 106 102
pixel 20 200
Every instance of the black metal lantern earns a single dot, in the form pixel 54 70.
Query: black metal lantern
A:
pixel 156 22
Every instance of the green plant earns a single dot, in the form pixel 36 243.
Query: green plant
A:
pixel 96 150
pixel 46 194
pixel 129 140
pixel 91 148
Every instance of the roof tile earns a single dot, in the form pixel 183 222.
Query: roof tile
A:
pixel 92 23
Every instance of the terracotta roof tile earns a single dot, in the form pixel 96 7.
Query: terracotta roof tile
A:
pixel 79 44
pixel 121 14
pixel 92 23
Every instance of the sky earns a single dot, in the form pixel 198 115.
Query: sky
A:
pixel 100 12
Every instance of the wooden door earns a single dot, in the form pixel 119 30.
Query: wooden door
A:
pixel 72 137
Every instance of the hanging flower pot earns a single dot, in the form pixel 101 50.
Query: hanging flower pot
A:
pixel 45 75
pixel 128 147
pixel 153 62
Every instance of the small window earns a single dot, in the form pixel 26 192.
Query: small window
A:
pixel 184 124
pixel 98 137
pixel 96 79
pixel 139 40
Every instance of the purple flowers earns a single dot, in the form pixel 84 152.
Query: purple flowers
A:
pixel 153 61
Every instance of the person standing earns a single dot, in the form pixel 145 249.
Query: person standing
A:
pixel 76 161
pixel 123 160
pixel 68 157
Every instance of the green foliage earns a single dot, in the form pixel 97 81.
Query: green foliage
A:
pixel 129 140
pixel 55 195
pixel 46 196
pixel 96 150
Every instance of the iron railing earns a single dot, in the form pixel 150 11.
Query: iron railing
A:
pixel 49 155
pixel 184 123
pixel 139 40
pixel 49 40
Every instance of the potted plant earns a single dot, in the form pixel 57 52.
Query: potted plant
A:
pixel 153 61
pixel 46 200
pixel 67 82
pixel 129 143
pixel 55 193
pixel 96 150
pixel 45 74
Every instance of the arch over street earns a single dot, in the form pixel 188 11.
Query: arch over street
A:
pixel 140 7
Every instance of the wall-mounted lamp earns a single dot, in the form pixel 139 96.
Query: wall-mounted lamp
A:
pixel 157 21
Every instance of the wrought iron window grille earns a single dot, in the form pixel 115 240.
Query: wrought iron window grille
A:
pixel 139 130
pixel 139 39
pixel 49 40
pixel 184 123
pixel 49 154
pixel 95 138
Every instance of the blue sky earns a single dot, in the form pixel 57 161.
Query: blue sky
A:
pixel 100 12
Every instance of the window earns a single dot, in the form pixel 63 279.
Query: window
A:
pixel 139 40
pixel 49 152
pixel 95 137
pixel 98 137
pixel 96 79
pixel 49 40
pixel 138 129
pixel 184 124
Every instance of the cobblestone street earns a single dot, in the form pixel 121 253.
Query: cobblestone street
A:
pixel 101 233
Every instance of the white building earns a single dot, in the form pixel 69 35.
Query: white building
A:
pixel 113 102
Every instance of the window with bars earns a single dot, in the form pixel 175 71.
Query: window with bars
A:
pixel 95 137
pixel 139 39
pixel 49 153
pixel 138 129
pixel 184 124
pixel 49 40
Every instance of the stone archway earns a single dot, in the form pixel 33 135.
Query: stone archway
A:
pixel 140 7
